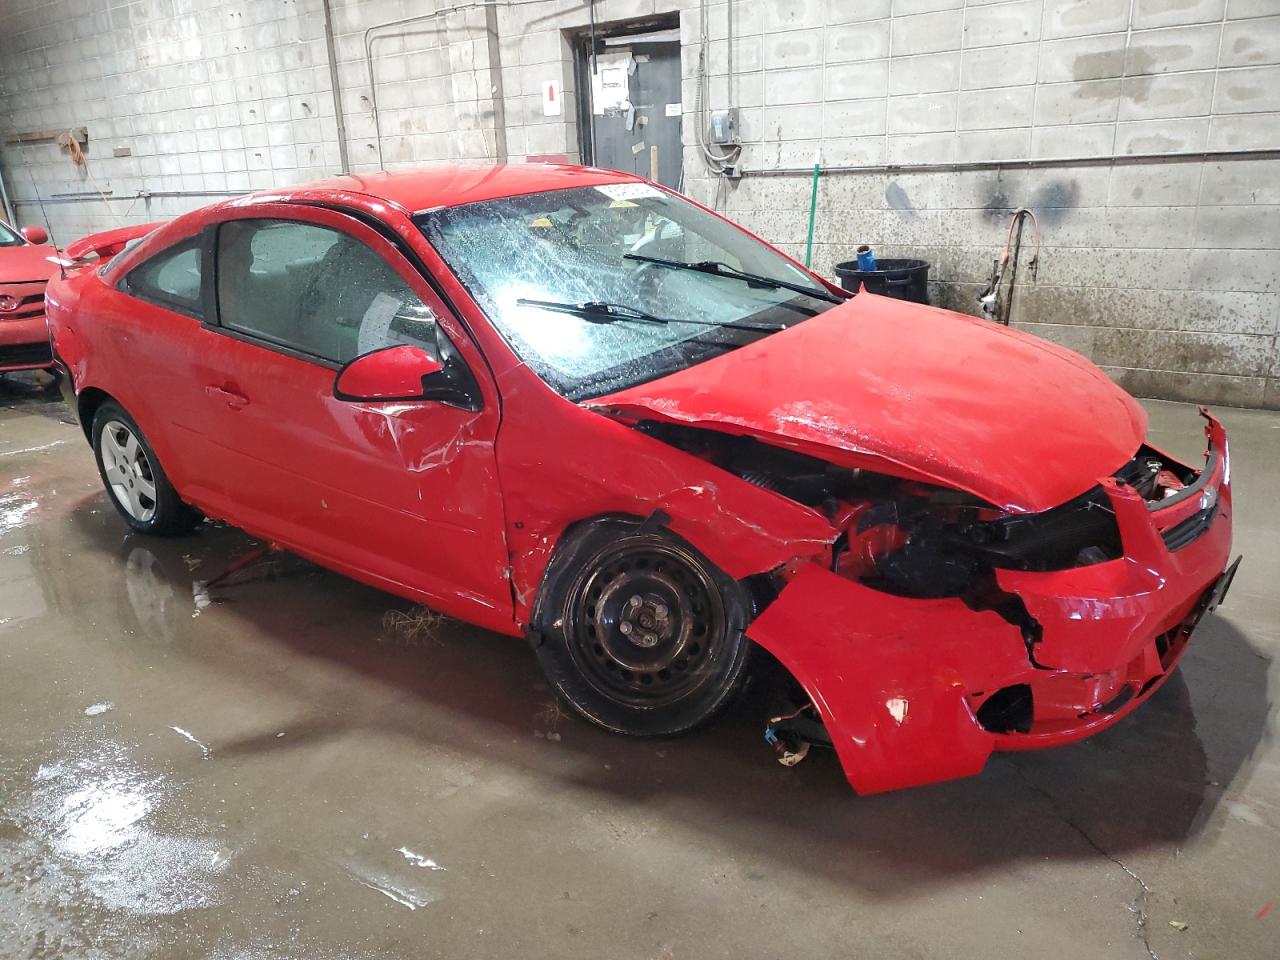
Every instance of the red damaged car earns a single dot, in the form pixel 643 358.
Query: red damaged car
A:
pixel 568 404
pixel 24 270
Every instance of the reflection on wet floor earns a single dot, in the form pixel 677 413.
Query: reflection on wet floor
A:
pixel 288 764
pixel 106 815
pixel 17 504
pixel 96 842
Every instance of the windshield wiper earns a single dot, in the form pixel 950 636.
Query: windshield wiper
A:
pixel 597 311
pixel 718 269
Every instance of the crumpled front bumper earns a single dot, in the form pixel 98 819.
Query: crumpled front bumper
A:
pixel 900 682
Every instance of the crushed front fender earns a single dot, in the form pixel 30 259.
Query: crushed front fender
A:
pixel 890 676
pixel 903 685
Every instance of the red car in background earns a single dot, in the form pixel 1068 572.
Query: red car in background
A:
pixel 24 271
pixel 568 404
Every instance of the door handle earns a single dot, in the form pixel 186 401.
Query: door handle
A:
pixel 232 397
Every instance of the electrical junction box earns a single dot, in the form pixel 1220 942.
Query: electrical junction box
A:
pixel 724 126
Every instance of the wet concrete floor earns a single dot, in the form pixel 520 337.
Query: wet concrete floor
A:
pixel 292 772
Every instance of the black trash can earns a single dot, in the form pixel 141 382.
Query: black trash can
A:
pixel 904 279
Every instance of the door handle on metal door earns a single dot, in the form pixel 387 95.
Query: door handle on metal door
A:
pixel 233 398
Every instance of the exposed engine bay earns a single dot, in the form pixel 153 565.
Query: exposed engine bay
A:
pixel 914 539
pixel 907 539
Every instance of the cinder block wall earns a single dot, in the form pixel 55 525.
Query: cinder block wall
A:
pixel 1166 273
pixel 210 98
pixel 945 115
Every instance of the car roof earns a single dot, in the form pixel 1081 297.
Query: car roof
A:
pixel 447 185
pixel 414 190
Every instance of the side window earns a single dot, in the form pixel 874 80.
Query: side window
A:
pixel 171 278
pixel 315 290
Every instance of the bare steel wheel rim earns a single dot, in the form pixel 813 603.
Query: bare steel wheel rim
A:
pixel 646 623
pixel 128 471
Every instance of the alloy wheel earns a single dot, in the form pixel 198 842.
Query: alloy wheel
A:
pixel 128 470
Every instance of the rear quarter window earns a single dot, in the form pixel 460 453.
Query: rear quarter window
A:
pixel 172 278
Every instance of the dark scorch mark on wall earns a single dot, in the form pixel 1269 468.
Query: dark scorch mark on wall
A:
pixel 998 203
pixel 897 199
pixel 1054 200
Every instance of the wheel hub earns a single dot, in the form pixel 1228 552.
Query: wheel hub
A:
pixel 644 622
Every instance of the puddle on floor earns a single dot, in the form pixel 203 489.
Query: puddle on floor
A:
pixel 113 824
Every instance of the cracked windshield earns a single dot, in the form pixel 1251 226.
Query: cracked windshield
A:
pixel 600 288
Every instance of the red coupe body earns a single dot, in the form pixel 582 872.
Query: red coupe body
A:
pixel 463 506
pixel 24 271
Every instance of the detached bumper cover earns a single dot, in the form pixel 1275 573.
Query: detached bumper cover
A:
pixel 899 682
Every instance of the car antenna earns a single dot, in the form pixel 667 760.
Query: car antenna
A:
pixel 62 264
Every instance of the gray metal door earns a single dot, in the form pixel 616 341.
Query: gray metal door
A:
pixel 636 120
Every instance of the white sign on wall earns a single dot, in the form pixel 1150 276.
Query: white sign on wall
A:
pixel 550 98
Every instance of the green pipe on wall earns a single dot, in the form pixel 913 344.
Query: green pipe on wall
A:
pixel 813 210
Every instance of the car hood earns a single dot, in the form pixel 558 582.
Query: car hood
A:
pixel 26 263
pixel 916 391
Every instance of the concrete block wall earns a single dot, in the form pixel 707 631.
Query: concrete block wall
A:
pixel 204 97
pixel 435 98
pixel 1166 293
pixel 966 80
pixel 1164 271
pixel 214 97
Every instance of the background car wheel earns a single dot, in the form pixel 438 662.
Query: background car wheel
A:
pixel 640 633
pixel 136 483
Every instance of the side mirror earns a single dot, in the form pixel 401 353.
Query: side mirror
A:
pixel 393 373
pixel 35 234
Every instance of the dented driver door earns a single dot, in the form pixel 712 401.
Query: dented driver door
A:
pixel 400 494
